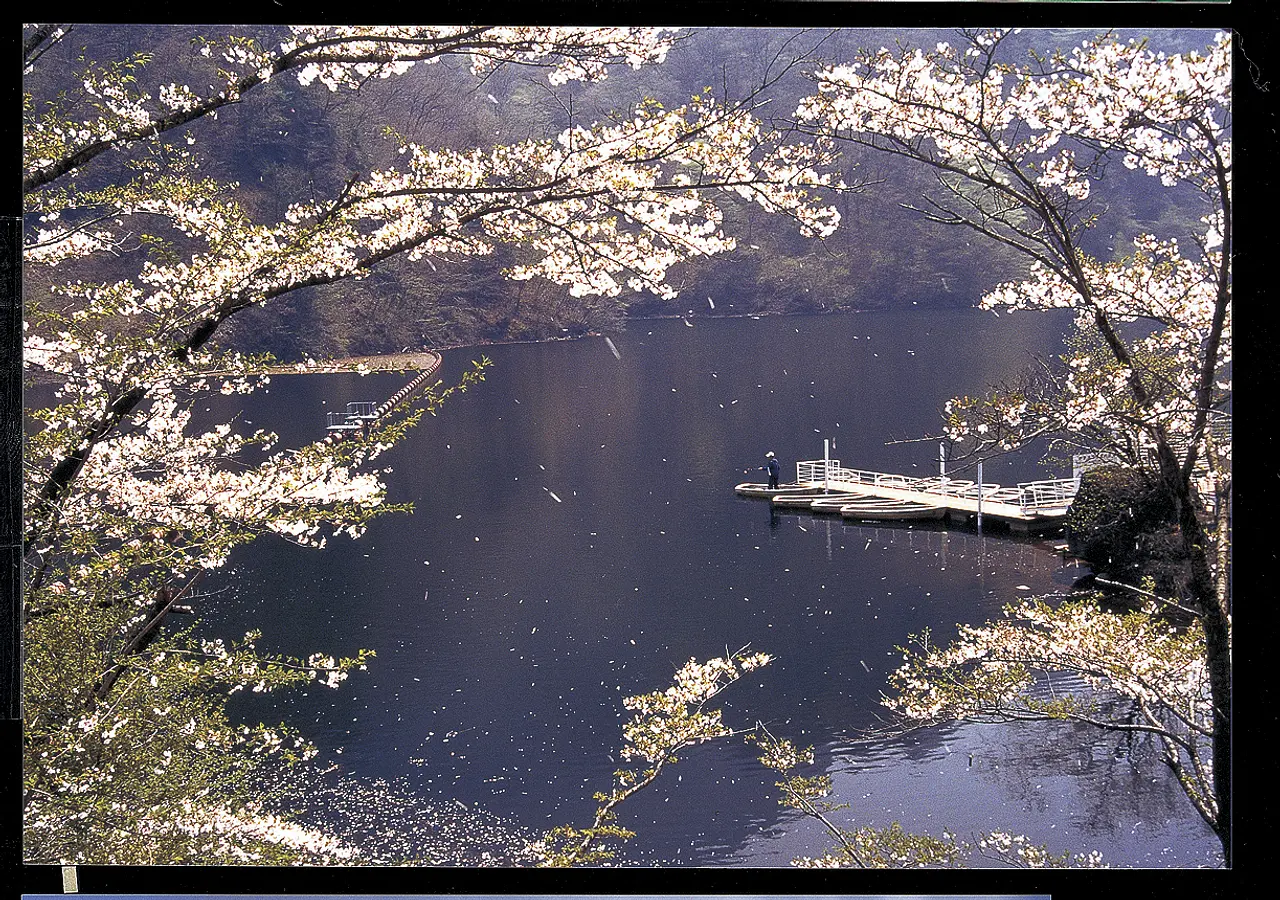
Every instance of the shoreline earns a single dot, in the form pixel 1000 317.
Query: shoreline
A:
pixel 390 362
pixel 413 360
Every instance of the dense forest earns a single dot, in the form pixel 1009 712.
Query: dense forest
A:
pixel 284 142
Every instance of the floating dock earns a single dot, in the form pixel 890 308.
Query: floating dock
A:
pixel 821 484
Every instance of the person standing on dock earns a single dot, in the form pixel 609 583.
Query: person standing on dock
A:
pixel 773 468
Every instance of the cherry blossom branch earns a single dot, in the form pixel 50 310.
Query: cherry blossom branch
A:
pixel 665 723
pixel 578 53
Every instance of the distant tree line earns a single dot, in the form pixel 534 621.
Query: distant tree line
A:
pixel 287 143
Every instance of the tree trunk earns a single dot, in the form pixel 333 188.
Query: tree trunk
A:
pixel 1215 620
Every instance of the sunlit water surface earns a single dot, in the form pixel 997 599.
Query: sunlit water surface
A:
pixel 576 538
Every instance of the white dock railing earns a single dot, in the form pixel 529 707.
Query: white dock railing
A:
pixel 1029 496
pixel 358 413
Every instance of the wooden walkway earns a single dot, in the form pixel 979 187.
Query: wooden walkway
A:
pixel 1025 506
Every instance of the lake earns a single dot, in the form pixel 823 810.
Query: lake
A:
pixel 576 539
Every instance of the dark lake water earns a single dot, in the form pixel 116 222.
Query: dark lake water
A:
pixel 576 538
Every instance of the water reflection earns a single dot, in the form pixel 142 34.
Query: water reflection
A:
pixel 1057 781
pixel 576 539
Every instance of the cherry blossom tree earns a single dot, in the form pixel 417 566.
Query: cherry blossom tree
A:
pixel 140 259
pixel 1018 150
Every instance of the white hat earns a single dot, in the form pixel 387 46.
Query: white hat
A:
pixel 769 455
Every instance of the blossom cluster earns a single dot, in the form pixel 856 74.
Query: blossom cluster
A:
pixel 1165 114
pixel 676 717
pixel 570 53
pixel 1017 850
